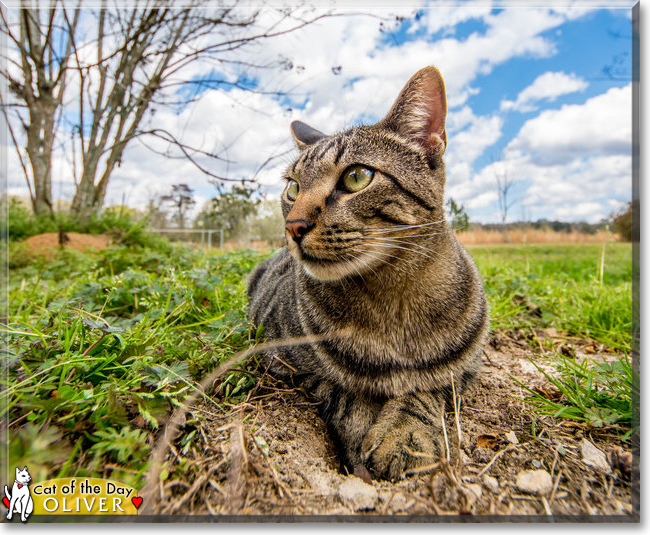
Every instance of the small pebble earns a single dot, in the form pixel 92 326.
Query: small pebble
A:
pixel 475 493
pixel 534 482
pixel 491 483
pixel 593 457
pixel 357 494
pixel 512 438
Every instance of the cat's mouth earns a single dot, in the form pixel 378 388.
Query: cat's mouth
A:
pixel 306 257
pixel 328 269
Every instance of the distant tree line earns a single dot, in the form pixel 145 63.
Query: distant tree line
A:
pixel 544 224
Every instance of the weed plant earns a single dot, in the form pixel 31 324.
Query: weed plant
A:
pixel 559 286
pixel 583 291
pixel 101 347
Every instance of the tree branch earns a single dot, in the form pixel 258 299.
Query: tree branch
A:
pixel 16 146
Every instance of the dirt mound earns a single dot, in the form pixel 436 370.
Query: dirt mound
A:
pixel 46 244
pixel 271 455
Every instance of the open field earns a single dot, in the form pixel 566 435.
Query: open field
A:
pixel 101 347
pixel 492 237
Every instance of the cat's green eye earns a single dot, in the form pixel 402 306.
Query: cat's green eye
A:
pixel 292 190
pixel 356 178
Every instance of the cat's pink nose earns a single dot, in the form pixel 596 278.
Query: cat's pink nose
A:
pixel 298 228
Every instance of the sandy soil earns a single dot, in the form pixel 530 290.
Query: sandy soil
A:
pixel 271 455
pixel 46 244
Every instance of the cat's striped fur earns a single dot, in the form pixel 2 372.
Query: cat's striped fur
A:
pixel 377 275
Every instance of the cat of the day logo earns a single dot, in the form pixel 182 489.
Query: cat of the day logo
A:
pixel 69 496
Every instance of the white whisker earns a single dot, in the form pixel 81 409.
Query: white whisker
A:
pixel 406 227
pixel 399 240
pixel 404 248
pixel 411 236
pixel 393 246
pixel 361 261
pixel 391 264
pixel 355 269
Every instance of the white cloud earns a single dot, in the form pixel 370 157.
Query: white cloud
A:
pixel 547 86
pixel 372 74
pixel 435 19
pixel 247 128
pixel 244 137
pixel 374 69
pixel 602 125
pixel 481 200
pixel 570 164
pixel 583 211
pixel 468 144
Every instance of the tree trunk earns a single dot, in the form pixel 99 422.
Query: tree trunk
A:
pixel 40 138
pixel 86 201
pixel 89 198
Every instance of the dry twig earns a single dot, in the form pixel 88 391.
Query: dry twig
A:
pixel 497 455
pixel 456 402
pixel 557 482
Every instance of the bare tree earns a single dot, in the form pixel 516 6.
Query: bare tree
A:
pixel 39 88
pixel 86 79
pixel 156 212
pixel 504 185
pixel 182 199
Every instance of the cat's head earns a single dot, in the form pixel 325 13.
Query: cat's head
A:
pixel 23 477
pixel 367 198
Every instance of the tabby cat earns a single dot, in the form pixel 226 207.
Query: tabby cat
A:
pixel 373 273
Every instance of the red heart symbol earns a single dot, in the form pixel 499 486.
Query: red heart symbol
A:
pixel 137 501
pixel 6 502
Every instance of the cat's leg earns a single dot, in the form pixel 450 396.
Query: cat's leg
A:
pixel 13 508
pixel 23 508
pixel 406 435
pixel 348 415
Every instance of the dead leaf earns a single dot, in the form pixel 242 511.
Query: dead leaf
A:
pixel 574 425
pixel 489 441
pixel 362 473
pixel 549 393
pixel 567 351
pixel 621 460
pixel 590 349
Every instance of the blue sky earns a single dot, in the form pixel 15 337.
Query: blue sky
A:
pixel 528 98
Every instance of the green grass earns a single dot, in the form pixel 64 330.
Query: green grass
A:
pixel 598 394
pixel 582 292
pixel 563 281
pixel 101 347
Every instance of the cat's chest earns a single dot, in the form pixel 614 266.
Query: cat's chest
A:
pixel 393 325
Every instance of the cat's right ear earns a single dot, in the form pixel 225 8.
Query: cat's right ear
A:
pixel 305 135
pixel 420 111
pixel 17 472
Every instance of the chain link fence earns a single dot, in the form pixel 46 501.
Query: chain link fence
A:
pixel 207 237
pixel 215 238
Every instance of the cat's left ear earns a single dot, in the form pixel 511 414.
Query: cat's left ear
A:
pixel 305 135
pixel 420 111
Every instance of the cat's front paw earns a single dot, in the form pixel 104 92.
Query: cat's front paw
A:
pixel 392 449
